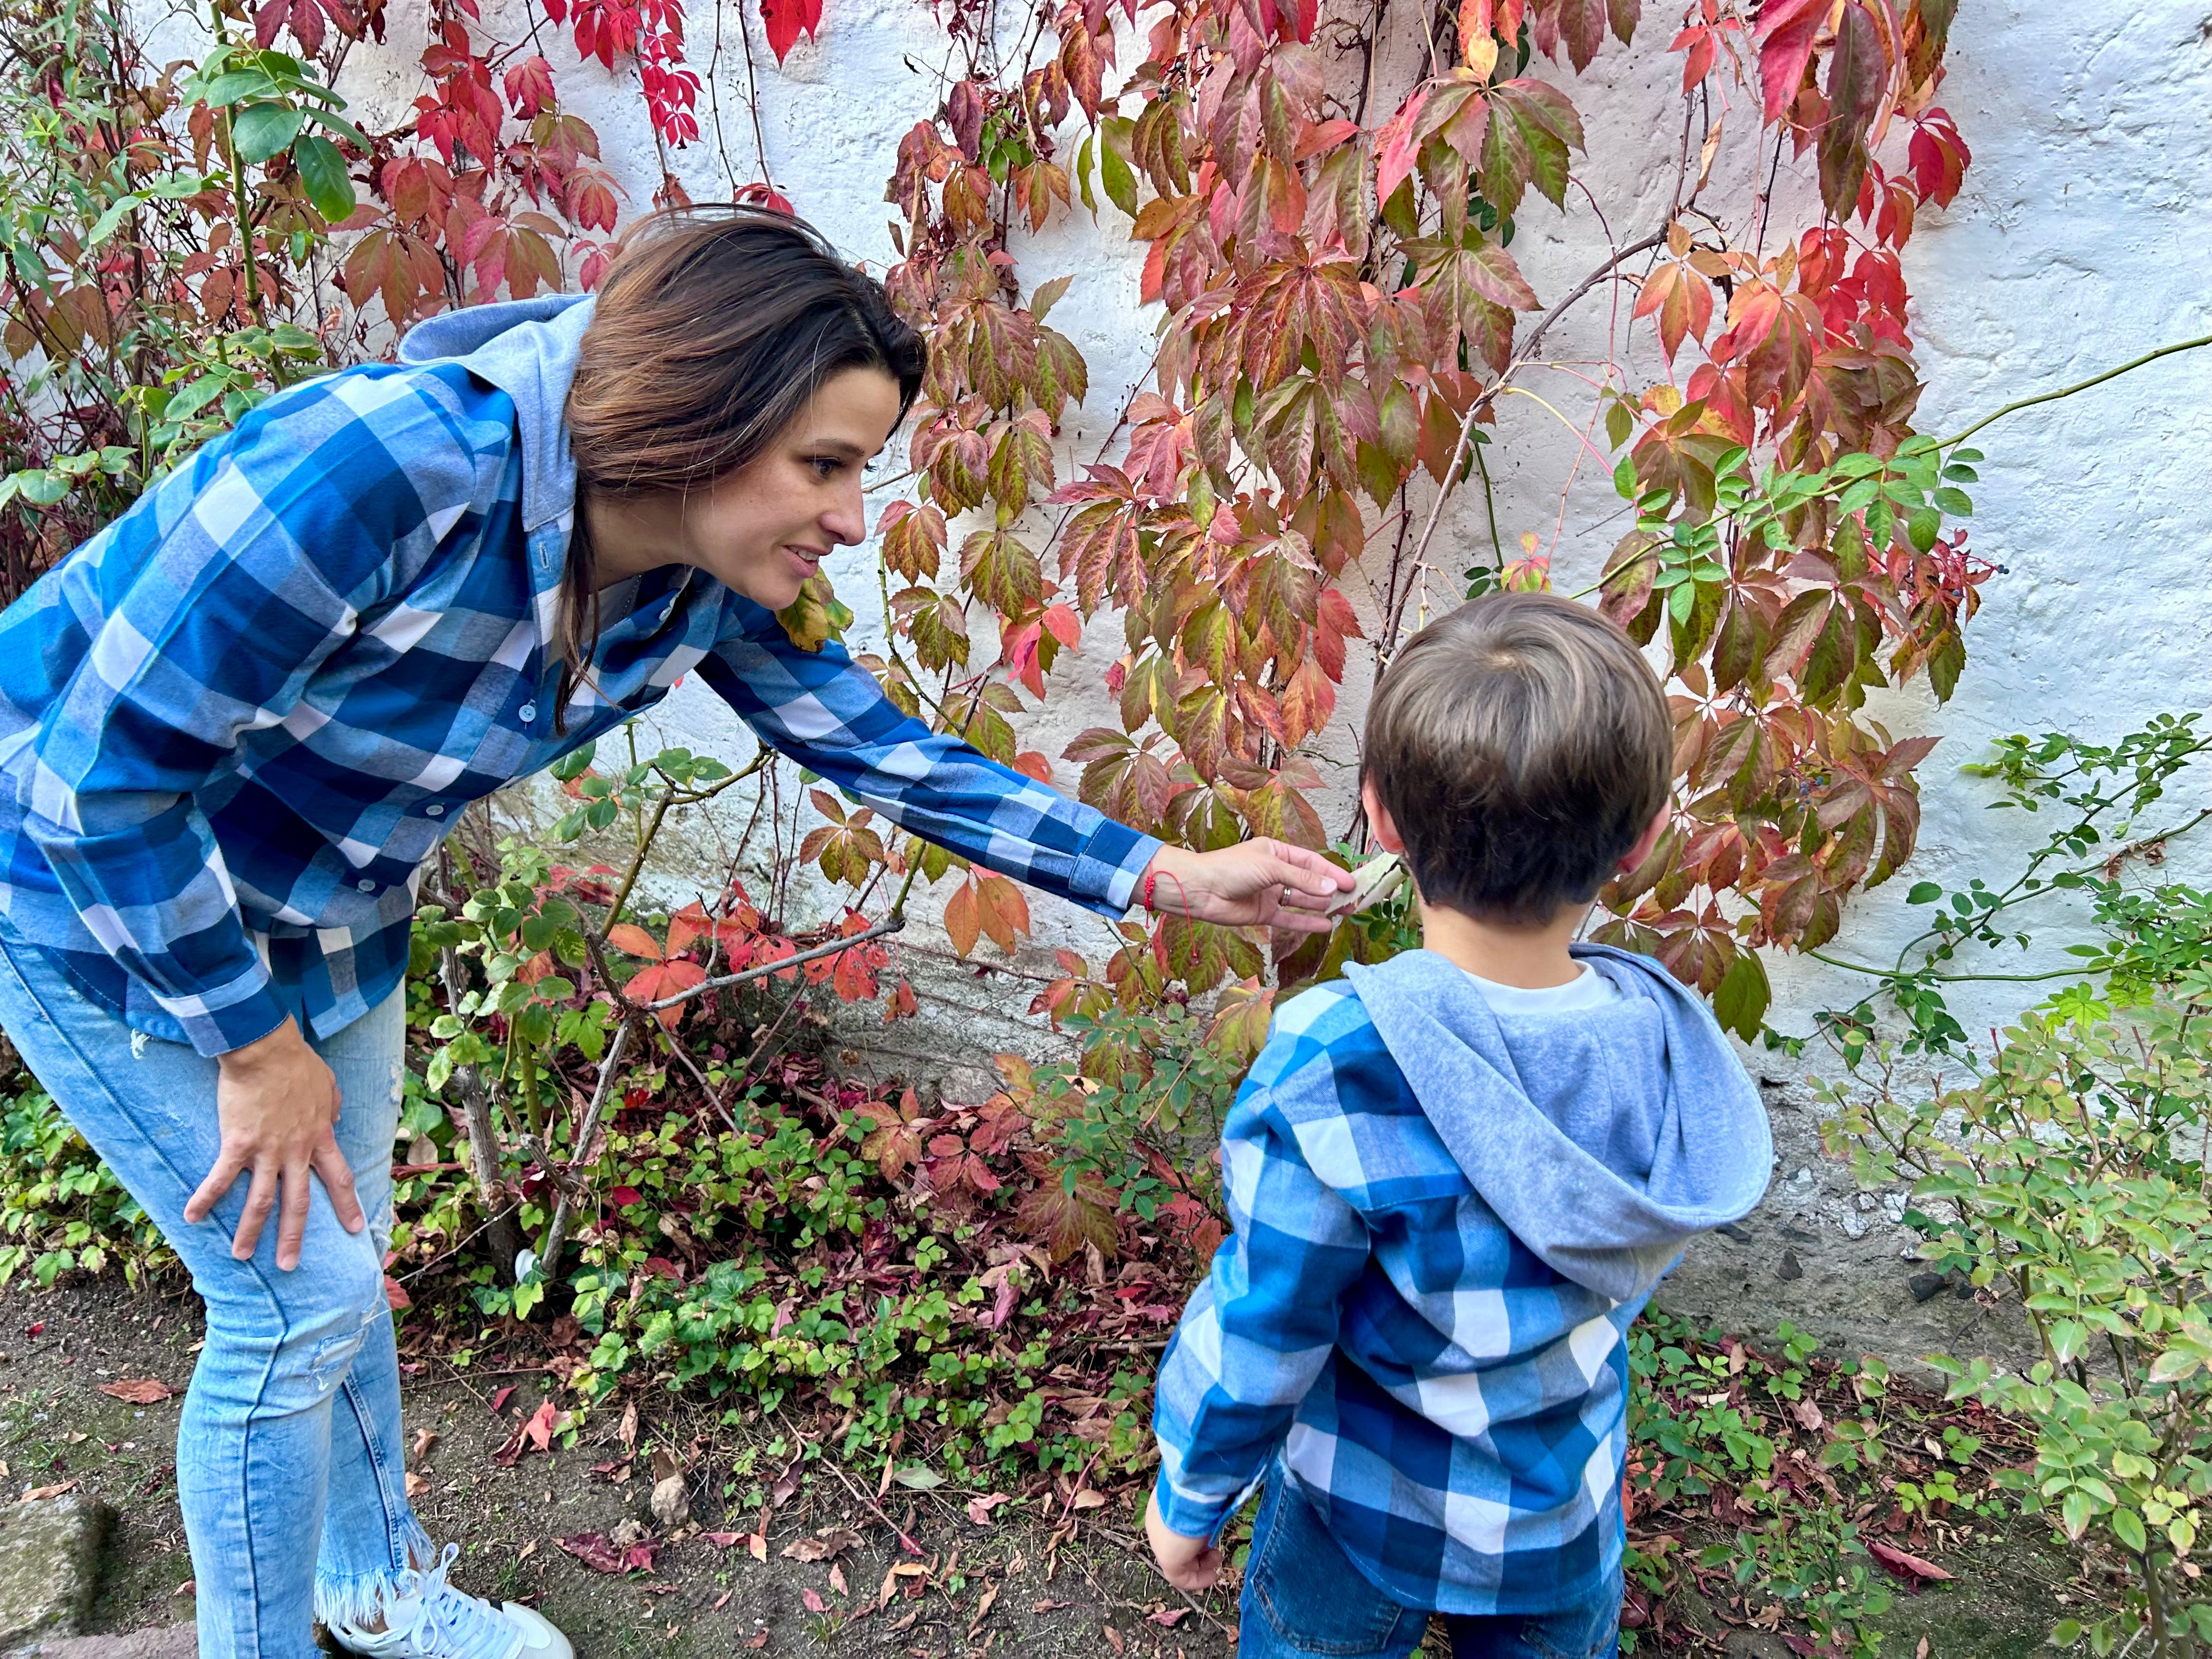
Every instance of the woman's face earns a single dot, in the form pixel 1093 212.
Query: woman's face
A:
pixel 764 529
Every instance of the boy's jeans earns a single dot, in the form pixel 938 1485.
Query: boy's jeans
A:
pixel 1304 1596
pixel 289 1461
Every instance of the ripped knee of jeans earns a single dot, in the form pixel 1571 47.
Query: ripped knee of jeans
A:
pixel 333 1355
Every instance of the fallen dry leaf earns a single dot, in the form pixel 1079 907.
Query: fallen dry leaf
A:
pixel 500 1397
pixel 1921 1652
pixel 139 1391
pixel 722 1601
pixel 813 1600
pixel 528 1549
pixel 1088 1499
pixel 907 1623
pixel 78 1438
pixel 757 1547
pixel 39 1494
pixel 536 1430
pixel 416 1485
pixel 759 1641
pixel 1050 1607
pixel 1902 1562
pixel 723 1541
pixel 1808 1415
pixel 979 1508
pixel 593 1550
pixel 426 1441
pixel 1114 1640
pixel 837 1580
pixel 672 1502
pixel 1168 1618
pixel 983 1605
pixel 829 1542
pixel 628 1432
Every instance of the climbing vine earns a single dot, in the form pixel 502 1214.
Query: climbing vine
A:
pixel 1328 201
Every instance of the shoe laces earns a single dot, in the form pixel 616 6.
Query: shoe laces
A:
pixel 450 1623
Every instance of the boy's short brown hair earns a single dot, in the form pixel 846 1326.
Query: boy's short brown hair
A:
pixel 1520 744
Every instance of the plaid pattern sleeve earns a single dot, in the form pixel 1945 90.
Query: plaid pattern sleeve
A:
pixel 1262 1326
pixel 827 713
pixel 198 618
pixel 1453 1407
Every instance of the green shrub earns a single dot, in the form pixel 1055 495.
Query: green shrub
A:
pixel 60 1208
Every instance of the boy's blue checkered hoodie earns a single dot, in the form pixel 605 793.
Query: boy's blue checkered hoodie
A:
pixel 1445 1222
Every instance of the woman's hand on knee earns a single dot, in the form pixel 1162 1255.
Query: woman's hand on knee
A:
pixel 277 1106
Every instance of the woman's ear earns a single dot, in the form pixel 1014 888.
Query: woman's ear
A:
pixel 1378 818
pixel 1649 839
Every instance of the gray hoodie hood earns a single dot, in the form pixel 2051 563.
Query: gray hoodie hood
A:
pixel 527 348
pixel 1604 1138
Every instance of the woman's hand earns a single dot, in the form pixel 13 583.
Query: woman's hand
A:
pixel 277 1105
pixel 1191 1565
pixel 1254 883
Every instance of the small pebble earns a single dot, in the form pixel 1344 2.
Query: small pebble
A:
pixel 1791 1268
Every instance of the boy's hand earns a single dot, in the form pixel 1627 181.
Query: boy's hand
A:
pixel 1190 1564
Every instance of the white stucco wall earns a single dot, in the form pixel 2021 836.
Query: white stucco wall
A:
pixel 2081 239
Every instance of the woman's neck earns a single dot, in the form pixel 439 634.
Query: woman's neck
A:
pixel 630 535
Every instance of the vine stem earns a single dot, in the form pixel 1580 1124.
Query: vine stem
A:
pixel 1489 394
pixel 2082 386
pixel 558 1233
pixel 890 924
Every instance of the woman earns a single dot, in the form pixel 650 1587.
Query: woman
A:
pixel 235 722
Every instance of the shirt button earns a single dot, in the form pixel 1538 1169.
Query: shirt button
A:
pixel 528 711
pixel 365 886
pixel 434 810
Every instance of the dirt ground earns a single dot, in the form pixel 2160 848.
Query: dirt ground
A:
pixel 1031 1578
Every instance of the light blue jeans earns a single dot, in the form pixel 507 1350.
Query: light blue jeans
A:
pixel 291 1467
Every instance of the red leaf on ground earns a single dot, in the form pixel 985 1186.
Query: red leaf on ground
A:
pixel 723 1541
pixel 623 1195
pixel 138 1390
pixel 638 1557
pixel 395 1294
pixel 499 1399
pixel 1903 1563
pixel 593 1550
pixel 1168 1617
pixel 813 1600
pixel 539 1428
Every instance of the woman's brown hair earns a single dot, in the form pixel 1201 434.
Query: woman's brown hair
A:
pixel 713 330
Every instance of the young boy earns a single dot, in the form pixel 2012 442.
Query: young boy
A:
pixel 1454 1179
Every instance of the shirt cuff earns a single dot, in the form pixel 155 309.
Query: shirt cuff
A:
pixel 1112 862
pixel 1194 1518
pixel 231 1016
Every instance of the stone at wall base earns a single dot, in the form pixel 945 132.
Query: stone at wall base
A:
pixel 49 1567
pixel 157 1641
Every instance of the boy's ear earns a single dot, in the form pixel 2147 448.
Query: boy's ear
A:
pixel 1378 818
pixel 1648 840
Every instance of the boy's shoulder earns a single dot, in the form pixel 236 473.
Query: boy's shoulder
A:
pixel 1323 1048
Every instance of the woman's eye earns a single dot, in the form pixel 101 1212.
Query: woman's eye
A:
pixel 826 467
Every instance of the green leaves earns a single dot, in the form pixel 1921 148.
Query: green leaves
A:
pixel 260 130
pixel 323 176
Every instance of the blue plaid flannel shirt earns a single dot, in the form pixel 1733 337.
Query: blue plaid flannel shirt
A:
pixel 1453 1407
pixel 235 722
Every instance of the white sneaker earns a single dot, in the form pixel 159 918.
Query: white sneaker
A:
pixel 427 1619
